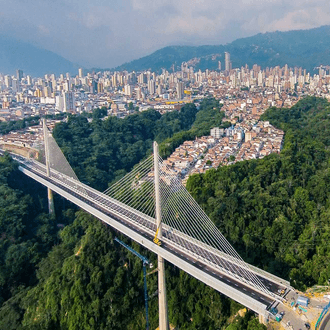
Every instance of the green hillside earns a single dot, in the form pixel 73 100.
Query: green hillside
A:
pixel 82 279
pixel 275 212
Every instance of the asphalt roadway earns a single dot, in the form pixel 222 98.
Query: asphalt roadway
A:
pixel 325 325
pixel 221 276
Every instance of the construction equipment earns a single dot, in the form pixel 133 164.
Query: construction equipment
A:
pixel 145 262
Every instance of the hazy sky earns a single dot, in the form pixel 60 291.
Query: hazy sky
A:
pixel 108 33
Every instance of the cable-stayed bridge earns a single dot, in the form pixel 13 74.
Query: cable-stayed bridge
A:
pixel 189 239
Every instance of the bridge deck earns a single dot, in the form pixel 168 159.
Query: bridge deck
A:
pixel 142 231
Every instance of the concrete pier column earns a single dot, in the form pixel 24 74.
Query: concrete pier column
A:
pixel 262 319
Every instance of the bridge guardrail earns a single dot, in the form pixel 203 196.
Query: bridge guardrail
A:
pixel 168 255
pixel 85 189
pixel 269 275
pixel 323 313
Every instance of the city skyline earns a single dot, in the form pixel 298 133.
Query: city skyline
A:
pixel 104 35
pixel 123 93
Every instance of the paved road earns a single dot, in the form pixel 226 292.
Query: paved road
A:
pixel 139 222
pixel 237 284
pixel 325 325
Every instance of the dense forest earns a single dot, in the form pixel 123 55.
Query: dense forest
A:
pixel 275 211
pixel 77 277
pixel 101 151
pixel 66 272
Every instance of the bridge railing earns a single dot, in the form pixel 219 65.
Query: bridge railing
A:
pixel 323 313
pixel 184 242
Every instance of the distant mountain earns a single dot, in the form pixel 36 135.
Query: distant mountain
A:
pixel 305 48
pixel 34 61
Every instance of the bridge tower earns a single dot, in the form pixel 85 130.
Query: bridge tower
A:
pixel 51 207
pixel 162 299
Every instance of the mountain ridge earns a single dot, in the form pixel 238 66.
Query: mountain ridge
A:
pixel 35 61
pixel 303 48
pixel 306 48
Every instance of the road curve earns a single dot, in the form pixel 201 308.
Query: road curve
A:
pixel 325 325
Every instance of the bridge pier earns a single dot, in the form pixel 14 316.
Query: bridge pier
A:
pixel 119 222
pixel 51 206
pixel 162 298
pixel 262 319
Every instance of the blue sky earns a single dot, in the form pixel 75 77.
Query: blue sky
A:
pixel 103 33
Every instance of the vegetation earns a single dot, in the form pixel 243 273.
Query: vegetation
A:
pixel 275 211
pixel 14 125
pixel 78 278
pixel 6 127
pixel 27 232
pixel 103 150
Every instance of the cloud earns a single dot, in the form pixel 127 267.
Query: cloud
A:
pixel 103 33
pixel 301 19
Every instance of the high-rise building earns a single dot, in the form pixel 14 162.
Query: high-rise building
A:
pixel 92 86
pixel 8 81
pixel 47 91
pixel 114 80
pixel 100 87
pixel 159 89
pixel 19 75
pixel 68 101
pixel 80 72
pixel 15 85
pixel 227 61
pixel 179 89
pixel 50 85
pixel 142 78
pixel 128 90
pixel 151 87
pixel 138 93
pixel 59 103
pixel 29 80
pixel 216 132
pixel 260 79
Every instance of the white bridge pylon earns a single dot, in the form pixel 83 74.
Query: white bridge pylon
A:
pixel 185 226
pixel 189 239
pixel 184 220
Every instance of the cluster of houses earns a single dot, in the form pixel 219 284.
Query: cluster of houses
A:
pixel 224 147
